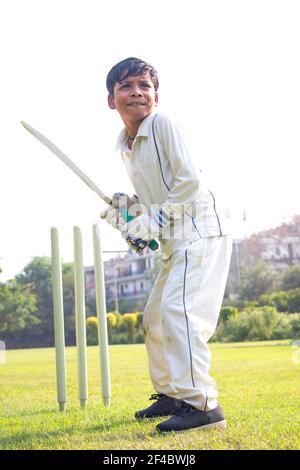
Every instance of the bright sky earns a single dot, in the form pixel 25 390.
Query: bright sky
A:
pixel 229 70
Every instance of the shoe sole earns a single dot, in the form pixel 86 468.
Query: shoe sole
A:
pixel 151 418
pixel 218 424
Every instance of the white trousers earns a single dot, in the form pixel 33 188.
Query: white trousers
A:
pixel 181 315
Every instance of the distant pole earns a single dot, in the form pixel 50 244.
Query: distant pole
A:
pixel 58 313
pixel 101 314
pixel 80 317
pixel 116 289
pixel 237 261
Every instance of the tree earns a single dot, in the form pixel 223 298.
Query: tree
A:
pixel 277 299
pixel 294 300
pixel 291 278
pixel 38 275
pixel 256 280
pixel 17 311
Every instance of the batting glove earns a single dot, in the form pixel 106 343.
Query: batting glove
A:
pixel 145 227
pixel 123 200
pixel 113 217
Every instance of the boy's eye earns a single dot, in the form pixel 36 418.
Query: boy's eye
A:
pixel 143 85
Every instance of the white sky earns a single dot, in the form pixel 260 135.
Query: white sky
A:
pixel 229 70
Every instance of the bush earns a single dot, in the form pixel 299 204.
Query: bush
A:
pixel 283 329
pixel 284 301
pixel 258 324
pixel 293 300
pixel 236 328
pixel 139 338
pixel 92 331
pixel 279 300
pixel 130 320
pixel 227 312
pixel 291 278
pixel 140 318
pixel 120 321
pixel 111 324
pixel 261 323
pixel 295 320
pixel 120 338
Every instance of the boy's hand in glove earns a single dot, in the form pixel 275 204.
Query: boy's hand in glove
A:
pixel 112 215
pixel 145 227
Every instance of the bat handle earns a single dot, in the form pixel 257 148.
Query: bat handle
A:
pixel 153 245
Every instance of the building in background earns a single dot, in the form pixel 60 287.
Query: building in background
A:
pixel 127 277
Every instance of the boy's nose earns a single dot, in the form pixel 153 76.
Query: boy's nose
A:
pixel 136 91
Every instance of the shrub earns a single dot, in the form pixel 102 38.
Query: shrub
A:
pixel 139 338
pixel 293 300
pixel 283 329
pixel 111 324
pixel 279 300
pixel 119 320
pixel 92 331
pixel 291 278
pixel 261 323
pixel 295 320
pixel 130 320
pixel 120 338
pixel 227 312
pixel 139 322
pixel 236 328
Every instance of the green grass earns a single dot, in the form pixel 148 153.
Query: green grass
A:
pixel 258 385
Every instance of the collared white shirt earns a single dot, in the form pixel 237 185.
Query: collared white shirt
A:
pixel 161 170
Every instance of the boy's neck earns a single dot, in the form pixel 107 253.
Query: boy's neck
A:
pixel 132 127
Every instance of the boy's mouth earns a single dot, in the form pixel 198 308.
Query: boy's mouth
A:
pixel 136 104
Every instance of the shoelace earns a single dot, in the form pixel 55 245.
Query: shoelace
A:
pixel 183 408
pixel 156 396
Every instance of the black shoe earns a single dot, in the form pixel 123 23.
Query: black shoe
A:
pixel 187 417
pixel 164 406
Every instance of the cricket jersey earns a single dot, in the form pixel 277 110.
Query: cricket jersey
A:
pixel 163 175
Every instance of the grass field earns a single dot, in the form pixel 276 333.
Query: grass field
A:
pixel 258 384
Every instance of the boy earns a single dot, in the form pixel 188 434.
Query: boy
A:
pixel 182 311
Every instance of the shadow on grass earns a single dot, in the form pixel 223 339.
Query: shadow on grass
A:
pixel 248 345
pixel 24 440
pixel 25 413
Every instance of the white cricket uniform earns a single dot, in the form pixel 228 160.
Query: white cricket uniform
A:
pixel 183 308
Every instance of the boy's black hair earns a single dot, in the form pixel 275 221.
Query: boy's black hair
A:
pixel 130 66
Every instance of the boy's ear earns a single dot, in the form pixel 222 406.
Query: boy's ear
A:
pixel 111 102
pixel 156 98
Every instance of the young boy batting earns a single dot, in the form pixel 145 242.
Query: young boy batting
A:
pixel 183 308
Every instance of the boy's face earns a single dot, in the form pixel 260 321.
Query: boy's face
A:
pixel 134 97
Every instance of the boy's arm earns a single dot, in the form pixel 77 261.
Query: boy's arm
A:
pixel 187 183
pixel 183 191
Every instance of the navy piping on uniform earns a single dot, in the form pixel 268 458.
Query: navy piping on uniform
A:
pixel 162 175
pixel 216 214
pixel 194 224
pixel 186 319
